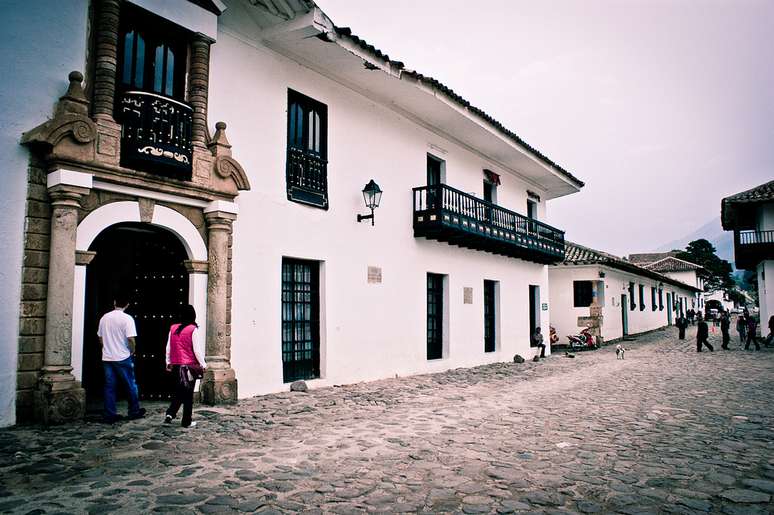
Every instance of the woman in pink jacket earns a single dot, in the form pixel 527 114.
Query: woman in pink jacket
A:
pixel 185 359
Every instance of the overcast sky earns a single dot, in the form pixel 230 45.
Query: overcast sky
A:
pixel 661 107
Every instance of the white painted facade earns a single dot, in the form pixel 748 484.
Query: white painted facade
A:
pixel 765 270
pixel 368 331
pixel 29 85
pixel 691 278
pixel 564 315
pixel 379 127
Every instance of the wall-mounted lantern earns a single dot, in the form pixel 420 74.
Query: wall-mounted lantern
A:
pixel 372 195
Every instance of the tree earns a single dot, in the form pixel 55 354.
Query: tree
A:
pixel 703 253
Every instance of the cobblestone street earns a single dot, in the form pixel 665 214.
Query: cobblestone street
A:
pixel 666 430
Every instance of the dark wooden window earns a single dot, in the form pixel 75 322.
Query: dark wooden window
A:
pixel 632 301
pixel 490 314
pixel 653 298
pixel 434 178
pixel 300 320
pixel 582 293
pixel 534 311
pixel 532 209
pixel 489 192
pixel 307 152
pixel 434 316
pixel 153 54
pixel 661 300
pixel 642 297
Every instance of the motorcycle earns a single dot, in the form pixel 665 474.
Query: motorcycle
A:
pixel 583 341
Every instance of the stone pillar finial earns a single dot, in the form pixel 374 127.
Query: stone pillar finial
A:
pixel 198 87
pixel 59 397
pixel 219 385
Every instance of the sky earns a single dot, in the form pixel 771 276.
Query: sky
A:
pixel 661 107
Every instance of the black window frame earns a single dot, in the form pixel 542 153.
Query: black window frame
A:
pixel 490 315
pixel 435 309
pixel 306 167
pixel 632 300
pixel 300 362
pixel 154 31
pixel 660 299
pixel 582 290
pixel 642 297
pixel 653 298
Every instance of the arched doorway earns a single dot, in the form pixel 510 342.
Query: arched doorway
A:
pixel 146 261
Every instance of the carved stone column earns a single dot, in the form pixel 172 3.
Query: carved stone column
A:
pixel 219 385
pixel 198 86
pixel 106 57
pixel 59 397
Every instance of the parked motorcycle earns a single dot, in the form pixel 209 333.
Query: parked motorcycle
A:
pixel 583 341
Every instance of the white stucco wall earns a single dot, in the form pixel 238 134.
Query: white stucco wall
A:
pixel 765 274
pixel 564 316
pixel 43 42
pixel 369 331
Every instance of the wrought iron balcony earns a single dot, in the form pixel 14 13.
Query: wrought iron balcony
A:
pixel 752 247
pixel 307 177
pixel 156 134
pixel 446 214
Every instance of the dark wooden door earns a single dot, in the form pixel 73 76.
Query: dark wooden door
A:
pixel 433 179
pixel 434 316
pixel 534 310
pixel 489 317
pixel 147 263
pixel 300 319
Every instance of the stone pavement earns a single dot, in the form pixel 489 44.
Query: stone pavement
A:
pixel 665 431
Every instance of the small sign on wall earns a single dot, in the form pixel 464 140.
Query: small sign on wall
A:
pixel 374 275
pixel 467 295
pixel 544 306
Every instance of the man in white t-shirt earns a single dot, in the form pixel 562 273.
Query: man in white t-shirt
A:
pixel 117 334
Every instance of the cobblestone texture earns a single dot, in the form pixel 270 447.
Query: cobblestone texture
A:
pixel 665 431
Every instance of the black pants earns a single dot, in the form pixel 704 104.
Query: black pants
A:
pixel 183 395
pixel 681 333
pixel 700 341
pixel 542 347
pixel 751 337
pixel 726 339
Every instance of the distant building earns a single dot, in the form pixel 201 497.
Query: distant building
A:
pixel 131 182
pixel 669 264
pixel 750 214
pixel 613 296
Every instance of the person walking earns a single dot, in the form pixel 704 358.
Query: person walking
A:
pixel 691 313
pixel 770 338
pixel 537 341
pixel 725 325
pixel 741 328
pixel 752 333
pixel 681 324
pixel 702 335
pixel 117 334
pixel 185 359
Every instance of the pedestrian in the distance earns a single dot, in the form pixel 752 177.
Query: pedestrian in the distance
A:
pixel 681 324
pixel 770 338
pixel 691 313
pixel 702 335
pixel 117 334
pixel 752 333
pixel 741 328
pixel 185 359
pixel 537 341
pixel 725 326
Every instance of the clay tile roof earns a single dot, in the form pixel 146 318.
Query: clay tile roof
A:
pixel 444 89
pixel 650 257
pixel 672 264
pixel 575 254
pixel 758 194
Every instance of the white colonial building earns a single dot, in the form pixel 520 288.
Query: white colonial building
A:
pixel 611 295
pixel 750 214
pixel 669 264
pixel 130 184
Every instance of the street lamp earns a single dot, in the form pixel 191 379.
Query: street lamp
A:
pixel 372 195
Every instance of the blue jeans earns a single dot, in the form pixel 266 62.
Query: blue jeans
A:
pixel 123 370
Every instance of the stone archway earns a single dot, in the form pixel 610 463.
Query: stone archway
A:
pixel 115 213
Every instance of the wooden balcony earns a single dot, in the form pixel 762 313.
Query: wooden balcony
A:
pixel 446 214
pixel 752 247
pixel 156 134
pixel 307 177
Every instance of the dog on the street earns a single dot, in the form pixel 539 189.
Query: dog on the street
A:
pixel 619 351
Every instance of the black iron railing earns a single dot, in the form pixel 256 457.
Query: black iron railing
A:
pixel 307 177
pixel 156 134
pixel 755 237
pixel 441 207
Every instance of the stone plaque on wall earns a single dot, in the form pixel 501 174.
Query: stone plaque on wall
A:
pixel 374 275
pixel 467 295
